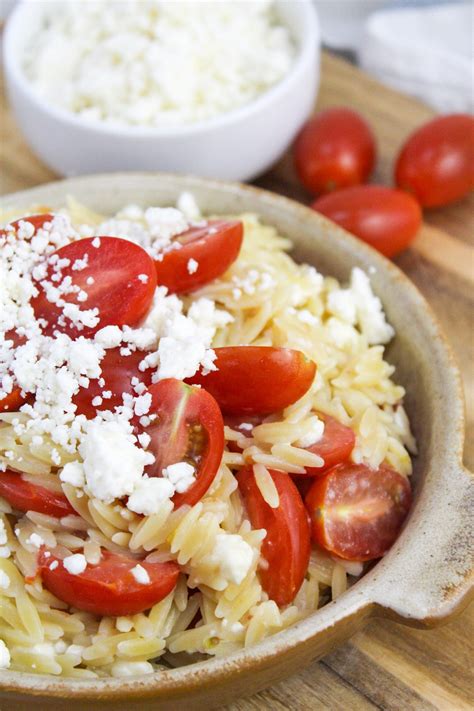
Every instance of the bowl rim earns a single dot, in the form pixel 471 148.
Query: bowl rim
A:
pixel 306 51
pixel 357 600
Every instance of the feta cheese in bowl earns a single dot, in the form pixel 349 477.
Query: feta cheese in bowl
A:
pixel 216 89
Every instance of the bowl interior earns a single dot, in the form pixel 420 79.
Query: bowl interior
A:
pixel 422 359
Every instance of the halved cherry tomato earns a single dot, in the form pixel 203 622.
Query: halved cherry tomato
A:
pixel 213 247
pixel 357 512
pixel 36 220
pixel 108 588
pixel 334 447
pixel 257 379
pixel 23 495
pixel 14 400
pixel 286 547
pixel 188 427
pixel 335 149
pixel 119 280
pixel 436 163
pixel 385 218
pixel 117 372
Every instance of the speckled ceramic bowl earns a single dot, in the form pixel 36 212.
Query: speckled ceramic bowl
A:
pixel 427 574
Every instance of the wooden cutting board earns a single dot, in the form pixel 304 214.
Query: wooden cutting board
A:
pixel 386 666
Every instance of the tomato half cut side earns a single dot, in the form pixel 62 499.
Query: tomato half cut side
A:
pixel 117 371
pixel 23 495
pixel 257 380
pixel 117 276
pixel 213 247
pixel 357 512
pixel 286 547
pixel 108 588
pixel 188 428
pixel 334 447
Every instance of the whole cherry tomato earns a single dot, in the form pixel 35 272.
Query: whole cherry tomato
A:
pixel 188 427
pixel 357 512
pixel 253 380
pixel 436 164
pixel 108 588
pixel 385 218
pixel 335 149
pixel 201 255
pixel 286 547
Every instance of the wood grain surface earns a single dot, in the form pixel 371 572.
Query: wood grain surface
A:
pixel 386 666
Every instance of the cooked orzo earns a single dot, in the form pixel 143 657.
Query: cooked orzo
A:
pixel 200 440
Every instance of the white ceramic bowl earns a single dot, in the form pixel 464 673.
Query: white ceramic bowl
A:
pixel 237 145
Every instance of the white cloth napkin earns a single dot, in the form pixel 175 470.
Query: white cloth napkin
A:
pixel 427 52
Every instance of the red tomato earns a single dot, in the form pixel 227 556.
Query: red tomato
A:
pixel 436 163
pixel 334 447
pixel 286 547
pixel 120 292
pixel 117 371
pixel 385 218
pixel 23 495
pixel 188 427
pixel 14 400
pixel 36 220
pixel 214 247
pixel 252 380
pixel 335 149
pixel 109 588
pixel 357 512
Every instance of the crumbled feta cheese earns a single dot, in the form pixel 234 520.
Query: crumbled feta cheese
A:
pixel 121 66
pixel 4 655
pixel 181 476
pixel 53 565
pixel 370 315
pixel 148 494
pixel 109 337
pixel 73 473
pixel 341 303
pixel 234 556
pixel 192 266
pixel 113 464
pixel 75 564
pixel 140 574
pixel 35 540
pixel 142 404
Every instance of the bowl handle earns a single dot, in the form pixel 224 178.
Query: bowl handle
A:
pixel 432 569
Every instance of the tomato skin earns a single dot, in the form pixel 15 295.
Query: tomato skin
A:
pixel 287 545
pixel 23 495
pixel 214 247
pixel 335 149
pixel 117 291
pixel 13 401
pixel 436 163
pixel 36 220
pixel 357 512
pixel 334 447
pixel 245 379
pixel 108 588
pixel 385 218
pixel 189 427
pixel 117 371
